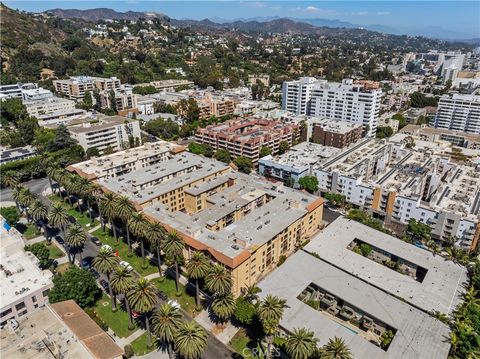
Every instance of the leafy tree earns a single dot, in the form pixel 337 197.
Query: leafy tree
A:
pixel 196 148
pixel 223 155
pixel 386 338
pixel 62 138
pixel 402 122
pixel 191 340
pixel 165 129
pixel 384 131
pixel 290 182
pixel 336 199
pixel 13 110
pixel 244 311
pixel 418 99
pixel 243 164
pixel 144 90
pixel 43 138
pixel 265 151
pixel 77 284
pixel 419 230
pixel 11 214
pixel 92 152
pixel 364 218
pixel 283 147
pixel 189 109
pixel 40 251
pixel 365 249
pixel 301 344
pixel 309 183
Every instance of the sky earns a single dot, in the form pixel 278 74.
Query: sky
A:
pixel 459 17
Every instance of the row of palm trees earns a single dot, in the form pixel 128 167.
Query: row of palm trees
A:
pixel 56 216
pixel 185 337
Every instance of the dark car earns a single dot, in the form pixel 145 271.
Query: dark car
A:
pixel 96 241
pixel 104 284
pixel 94 273
pixel 162 295
pixel 59 240
pixel 87 262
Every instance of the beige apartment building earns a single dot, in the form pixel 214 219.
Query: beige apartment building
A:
pixel 244 223
pixel 76 87
pixel 125 101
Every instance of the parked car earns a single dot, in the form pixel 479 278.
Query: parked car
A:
pixel 104 284
pixel 94 273
pixel 162 295
pixel 107 247
pixel 87 262
pixel 126 265
pixel 96 241
pixel 174 303
pixel 59 240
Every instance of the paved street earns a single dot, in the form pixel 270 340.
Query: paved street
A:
pixel 37 186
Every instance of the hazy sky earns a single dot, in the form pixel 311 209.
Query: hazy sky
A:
pixel 457 16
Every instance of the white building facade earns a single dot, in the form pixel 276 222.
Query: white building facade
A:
pixel 459 112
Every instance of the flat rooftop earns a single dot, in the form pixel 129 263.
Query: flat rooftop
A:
pixel 100 123
pixel 20 275
pixel 334 126
pixel 441 289
pixel 284 207
pixel 101 166
pixel 38 330
pixel 304 155
pixel 418 335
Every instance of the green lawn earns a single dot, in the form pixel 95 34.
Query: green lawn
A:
pixel 117 321
pixel 55 252
pixel 186 301
pixel 62 268
pixel 29 230
pixel 82 218
pixel 139 345
pixel 240 343
pixel 122 248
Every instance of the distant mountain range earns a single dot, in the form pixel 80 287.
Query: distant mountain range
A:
pixel 262 24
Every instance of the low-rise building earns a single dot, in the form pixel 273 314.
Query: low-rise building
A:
pixel 417 276
pixel 254 79
pixel 333 133
pixel 168 85
pixel 333 303
pixel 48 106
pixel 60 330
pixel 16 154
pixel 432 134
pixel 76 87
pixel 114 132
pixel 246 137
pixel 37 94
pixel 15 90
pixel 125 101
pixel 24 286
pixel 243 222
pixel 406 179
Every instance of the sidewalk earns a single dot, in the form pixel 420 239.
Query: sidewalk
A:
pixel 124 341
pixel 223 333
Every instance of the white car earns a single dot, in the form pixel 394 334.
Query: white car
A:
pixel 106 247
pixel 126 265
pixel 174 304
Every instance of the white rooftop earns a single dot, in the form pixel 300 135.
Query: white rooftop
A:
pixel 440 290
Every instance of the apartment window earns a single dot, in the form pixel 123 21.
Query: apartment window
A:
pixel 20 306
pixel 45 292
pixel 22 313
pixel 6 312
pixel 34 299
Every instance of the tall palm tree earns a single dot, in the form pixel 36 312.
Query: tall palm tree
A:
pixel 39 212
pixel 191 340
pixel 26 199
pixel 166 320
pixel 9 180
pixel 121 283
pixel 17 195
pixel 75 239
pixel 270 312
pixel 61 177
pixel 301 344
pixel 108 205
pixel 50 170
pixel 85 190
pixel 58 217
pixel 124 209
pixel 197 268
pixel 173 246
pixel 137 224
pixel 106 262
pixel 250 293
pixel 218 279
pixel 71 186
pixel 336 349
pixel 143 298
pixel 223 306
pixel 155 233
